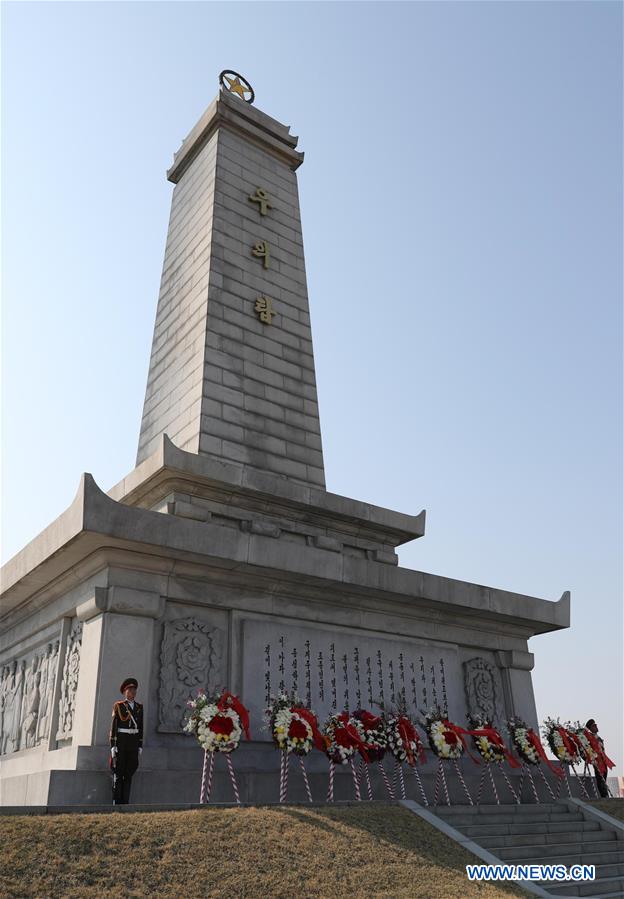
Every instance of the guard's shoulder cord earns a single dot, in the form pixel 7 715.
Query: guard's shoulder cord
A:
pixel 118 709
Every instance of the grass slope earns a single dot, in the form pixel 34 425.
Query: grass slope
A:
pixel 355 852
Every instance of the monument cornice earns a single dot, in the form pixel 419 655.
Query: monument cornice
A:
pixel 228 112
pixel 95 522
pixel 104 571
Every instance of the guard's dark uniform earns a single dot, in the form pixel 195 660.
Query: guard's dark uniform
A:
pixel 601 779
pixel 127 735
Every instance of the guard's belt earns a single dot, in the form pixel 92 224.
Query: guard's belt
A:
pixel 127 730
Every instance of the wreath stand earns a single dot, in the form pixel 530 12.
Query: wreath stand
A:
pixel 332 771
pixel 363 770
pixel 441 777
pixel 386 781
pixel 567 781
pixel 364 775
pixel 508 782
pixel 398 773
pixel 284 762
pixel 398 776
pixel 592 780
pixel 581 783
pixel 526 769
pixel 208 770
pixel 488 770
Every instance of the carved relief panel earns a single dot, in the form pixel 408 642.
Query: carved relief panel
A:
pixel 69 682
pixel 483 694
pixel 190 657
pixel 26 696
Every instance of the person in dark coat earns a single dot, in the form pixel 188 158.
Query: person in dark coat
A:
pixel 126 740
pixel 601 776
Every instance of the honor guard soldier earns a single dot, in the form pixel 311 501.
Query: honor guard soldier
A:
pixel 126 740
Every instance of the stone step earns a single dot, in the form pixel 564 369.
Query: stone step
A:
pixel 580 838
pixel 595 891
pixel 487 830
pixel 471 820
pixel 531 851
pixel 602 860
pixel 602 886
pixel 610 870
pixel 511 808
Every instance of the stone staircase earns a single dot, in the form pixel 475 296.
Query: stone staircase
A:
pixel 548 834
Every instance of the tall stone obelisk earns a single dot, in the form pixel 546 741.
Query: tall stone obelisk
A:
pixel 224 561
pixel 232 368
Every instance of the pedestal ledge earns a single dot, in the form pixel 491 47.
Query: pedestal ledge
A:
pixel 95 522
pixel 152 480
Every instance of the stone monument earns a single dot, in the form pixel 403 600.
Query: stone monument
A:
pixel 221 559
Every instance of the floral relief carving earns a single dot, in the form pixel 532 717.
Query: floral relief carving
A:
pixel 189 658
pixel 481 689
pixel 69 683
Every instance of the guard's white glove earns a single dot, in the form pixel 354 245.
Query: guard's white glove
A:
pixel 113 751
pixel 140 750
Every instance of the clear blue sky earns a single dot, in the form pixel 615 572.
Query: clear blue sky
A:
pixel 462 214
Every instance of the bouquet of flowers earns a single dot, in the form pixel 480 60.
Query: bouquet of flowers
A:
pixel 445 738
pixel 404 741
pixel 293 727
pixel 217 721
pixel 372 732
pixel 561 740
pixel 342 739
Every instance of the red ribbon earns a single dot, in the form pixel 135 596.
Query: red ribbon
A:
pixel 354 735
pixel 228 700
pixel 462 733
pixel 534 740
pixel 310 717
pixel 368 720
pixel 603 762
pixel 577 743
pixel 566 739
pixel 494 737
pixel 409 734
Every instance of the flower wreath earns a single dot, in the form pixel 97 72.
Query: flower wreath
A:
pixel 445 738
pixel 592 750
pixel 489 748
pixel 528 746
pixel 587 751
pixel 404 741
pixel 488 741
pixel 342 739
pixel 562 741
pixel 294 728
pixel 217 721
pixel 372 731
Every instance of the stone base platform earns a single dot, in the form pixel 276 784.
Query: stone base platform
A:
pixel 174 778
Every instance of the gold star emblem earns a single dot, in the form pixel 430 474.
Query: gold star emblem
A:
pixel 234 83
pixel 235 87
